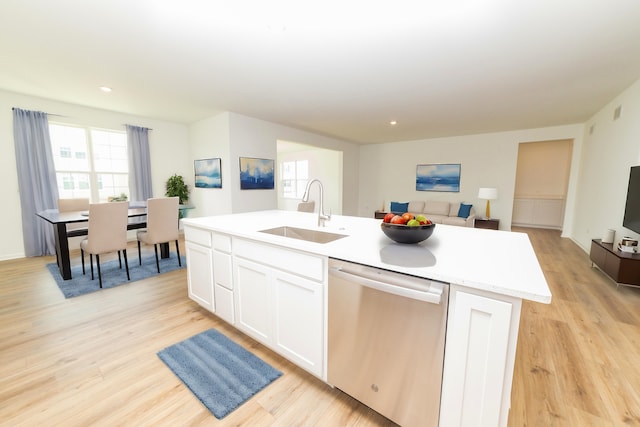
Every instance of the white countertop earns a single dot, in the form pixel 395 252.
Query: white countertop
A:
pixel 497 261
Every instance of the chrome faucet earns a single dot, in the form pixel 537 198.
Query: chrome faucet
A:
pixel 322 218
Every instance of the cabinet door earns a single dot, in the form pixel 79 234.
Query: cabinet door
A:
pixel 298 320
pixel 597 254
pixel 200 275
pixel 612 266
pixel 252 299
pixel 479 358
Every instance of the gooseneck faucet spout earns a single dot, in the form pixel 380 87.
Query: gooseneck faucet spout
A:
pixel 322 217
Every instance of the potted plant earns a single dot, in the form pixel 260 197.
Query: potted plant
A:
pixel 121 198
pixel 176 187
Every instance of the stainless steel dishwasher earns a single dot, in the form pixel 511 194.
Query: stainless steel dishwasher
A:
pixel 386 340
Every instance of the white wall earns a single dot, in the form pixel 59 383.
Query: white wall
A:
pixel 372 173
pixel 325 165
pixel 388 171
pixel 168 149
pixel 608 154
pixel 209 138
pixel 250 137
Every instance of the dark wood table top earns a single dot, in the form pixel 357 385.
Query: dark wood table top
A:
pixel 55 217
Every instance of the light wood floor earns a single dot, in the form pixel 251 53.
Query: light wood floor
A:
pixel 91 360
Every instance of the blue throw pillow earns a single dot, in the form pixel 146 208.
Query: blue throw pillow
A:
pixel 464 210
pixel 399 207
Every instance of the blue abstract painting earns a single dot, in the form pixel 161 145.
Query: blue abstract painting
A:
pixel 208 173
pixel 256 174
pixel 438 177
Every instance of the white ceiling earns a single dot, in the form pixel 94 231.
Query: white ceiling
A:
pixel 342 68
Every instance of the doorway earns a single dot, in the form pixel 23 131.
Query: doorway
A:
pixel 321 163
pixel 542 179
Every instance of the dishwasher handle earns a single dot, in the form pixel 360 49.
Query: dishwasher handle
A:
pixel 433 295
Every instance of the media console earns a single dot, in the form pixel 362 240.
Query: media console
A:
pixel 622 267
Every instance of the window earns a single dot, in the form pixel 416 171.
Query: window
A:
pixel 295 175
pixel 90 162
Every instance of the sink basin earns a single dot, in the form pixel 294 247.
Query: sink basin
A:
pixel 304 234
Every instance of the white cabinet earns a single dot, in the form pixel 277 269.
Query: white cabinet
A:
pixel 481 341
pixel 298 326
pixel 209 271
pixel 283 307
pixel 253 292
pixel 222 276
pixel 548 213
pixel 199 267
pixel 273 294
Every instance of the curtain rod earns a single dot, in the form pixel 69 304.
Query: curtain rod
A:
pixel 48 114
pixel 136 126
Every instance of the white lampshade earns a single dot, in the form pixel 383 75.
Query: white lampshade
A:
pixel 488 193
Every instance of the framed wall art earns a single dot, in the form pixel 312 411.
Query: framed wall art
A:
pixel 438 177
pixel 208 173
pixel 256 174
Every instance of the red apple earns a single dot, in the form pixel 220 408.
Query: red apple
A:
pixel 407 216
pixel 398 219
pixel 387 217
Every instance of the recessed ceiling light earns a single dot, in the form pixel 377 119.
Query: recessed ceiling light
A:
pixel 105 89
pixel 393 122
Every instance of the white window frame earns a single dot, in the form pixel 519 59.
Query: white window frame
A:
pixel 94 176
pixel 295 175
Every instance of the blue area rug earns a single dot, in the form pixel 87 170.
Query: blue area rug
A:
pixel 112 275
pixel 222 374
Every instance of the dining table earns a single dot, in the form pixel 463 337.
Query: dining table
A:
pixel 60 221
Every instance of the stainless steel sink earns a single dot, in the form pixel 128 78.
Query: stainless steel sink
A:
pixel 304 234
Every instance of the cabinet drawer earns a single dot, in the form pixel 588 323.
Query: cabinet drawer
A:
pixel 221 242
pixel 222 269
pixel 292 261
pixel 197 235
pixel 224 303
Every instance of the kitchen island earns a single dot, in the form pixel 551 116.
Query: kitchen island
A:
pixel 274 288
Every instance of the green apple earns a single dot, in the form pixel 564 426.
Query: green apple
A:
pixel 413 223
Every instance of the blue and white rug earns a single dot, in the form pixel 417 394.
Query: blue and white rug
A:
pixel 112 275
pixel 222 374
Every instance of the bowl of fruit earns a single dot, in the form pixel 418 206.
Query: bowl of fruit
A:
pixel 407 228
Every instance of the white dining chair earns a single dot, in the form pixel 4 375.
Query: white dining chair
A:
pixel 162 226
pixel 107 233
pixel 74 205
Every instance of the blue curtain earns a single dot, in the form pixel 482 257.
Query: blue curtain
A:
pixel 139 163
pixel 36 179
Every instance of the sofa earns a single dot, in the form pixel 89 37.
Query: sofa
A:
pixel 439 212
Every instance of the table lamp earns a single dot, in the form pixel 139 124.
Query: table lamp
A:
pixel 488 194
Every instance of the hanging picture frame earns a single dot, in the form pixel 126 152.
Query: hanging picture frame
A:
pixel 256 174
pixel 208 173
pixel 438 177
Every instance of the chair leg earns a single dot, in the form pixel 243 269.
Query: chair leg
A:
pixel 155 248
pixel 91 262
pixel 139 254
pixel 99 273
pixel 178 251
pixel 126 263
pixel 82 254
pixel 120 260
